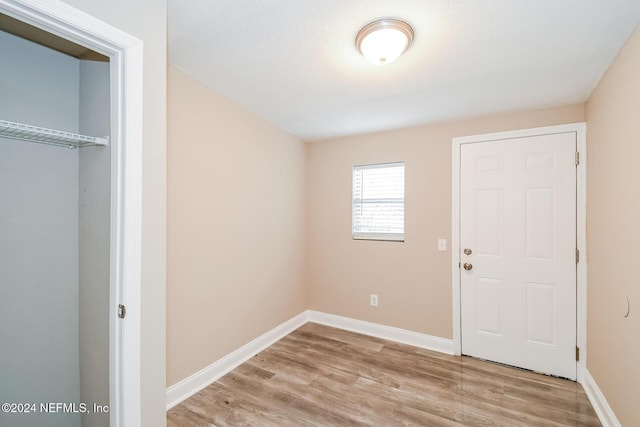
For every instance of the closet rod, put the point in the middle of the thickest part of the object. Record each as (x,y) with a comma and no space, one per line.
(47,136)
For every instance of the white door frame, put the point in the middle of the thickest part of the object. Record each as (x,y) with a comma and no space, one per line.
(581,210)
(125,53)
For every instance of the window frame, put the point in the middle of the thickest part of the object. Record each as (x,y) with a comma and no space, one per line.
(377,236)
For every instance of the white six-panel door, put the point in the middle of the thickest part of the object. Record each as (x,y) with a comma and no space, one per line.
(518,244)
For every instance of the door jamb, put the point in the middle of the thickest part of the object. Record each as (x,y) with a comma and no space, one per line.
(581,231)
(126,58)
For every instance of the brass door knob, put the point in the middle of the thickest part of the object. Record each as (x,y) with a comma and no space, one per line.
(467,266)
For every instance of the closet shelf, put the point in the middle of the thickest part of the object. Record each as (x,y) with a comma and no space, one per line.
(47,136)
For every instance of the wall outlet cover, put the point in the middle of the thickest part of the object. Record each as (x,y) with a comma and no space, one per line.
(373,300)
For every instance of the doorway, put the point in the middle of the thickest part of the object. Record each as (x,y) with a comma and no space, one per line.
(122,258)
(518,215)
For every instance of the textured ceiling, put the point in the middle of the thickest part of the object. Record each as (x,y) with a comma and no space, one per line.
(294,62)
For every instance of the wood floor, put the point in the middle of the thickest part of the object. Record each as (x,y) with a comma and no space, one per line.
(321,376)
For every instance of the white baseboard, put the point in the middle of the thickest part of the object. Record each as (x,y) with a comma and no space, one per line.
(598,401)
(201,379)
(196,382)
(390,333)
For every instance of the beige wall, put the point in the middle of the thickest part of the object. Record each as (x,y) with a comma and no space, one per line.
(147,20)
(412,279)
(236,233)
(613,228)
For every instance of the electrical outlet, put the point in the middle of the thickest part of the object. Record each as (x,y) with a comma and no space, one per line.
(373,300)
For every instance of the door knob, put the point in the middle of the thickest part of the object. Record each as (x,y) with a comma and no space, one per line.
(467,251)
(467,266)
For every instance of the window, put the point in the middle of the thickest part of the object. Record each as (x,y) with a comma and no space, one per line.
(378,202)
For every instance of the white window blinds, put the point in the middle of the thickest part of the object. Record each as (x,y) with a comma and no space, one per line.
(378,202)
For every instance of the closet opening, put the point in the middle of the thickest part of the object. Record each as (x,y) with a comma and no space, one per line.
(57,227)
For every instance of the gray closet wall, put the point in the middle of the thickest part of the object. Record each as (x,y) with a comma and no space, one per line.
(54,237)
(94,225)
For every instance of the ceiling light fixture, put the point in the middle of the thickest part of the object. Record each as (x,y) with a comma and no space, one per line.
(383,41)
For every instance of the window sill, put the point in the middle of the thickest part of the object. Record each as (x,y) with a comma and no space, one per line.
(384,237)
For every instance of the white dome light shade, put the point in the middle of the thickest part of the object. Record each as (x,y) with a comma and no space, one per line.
(383,41)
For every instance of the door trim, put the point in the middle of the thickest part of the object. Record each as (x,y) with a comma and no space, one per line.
(581,211)
(126,74)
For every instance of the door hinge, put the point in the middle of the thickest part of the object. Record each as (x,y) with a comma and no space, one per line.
(577,255)
(577,353)
(577,158)
(122,311)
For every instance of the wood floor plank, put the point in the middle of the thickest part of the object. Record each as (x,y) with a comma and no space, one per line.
(322,376)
